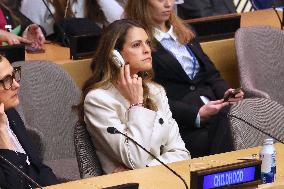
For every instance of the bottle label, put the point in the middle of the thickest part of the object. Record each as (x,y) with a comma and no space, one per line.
(268,167)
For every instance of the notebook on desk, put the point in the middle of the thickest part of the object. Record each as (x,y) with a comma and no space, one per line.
(215,27)
(13,53)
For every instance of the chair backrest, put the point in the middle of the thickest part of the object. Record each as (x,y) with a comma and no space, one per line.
(261,61)
(47,95)
(88,162)
(253,117)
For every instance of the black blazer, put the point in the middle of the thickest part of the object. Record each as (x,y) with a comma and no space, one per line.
(201,8)
(184,93)
(9,178)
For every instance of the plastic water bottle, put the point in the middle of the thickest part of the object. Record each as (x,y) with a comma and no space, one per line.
(268,157)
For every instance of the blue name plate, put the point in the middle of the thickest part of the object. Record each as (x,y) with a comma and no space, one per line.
(229,178)
(244,173)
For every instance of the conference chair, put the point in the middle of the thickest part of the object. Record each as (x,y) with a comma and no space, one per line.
(255,119)
(88,161)
(47,95)
(261,62)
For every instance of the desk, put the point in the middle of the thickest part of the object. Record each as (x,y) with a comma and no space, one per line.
(158,177)
(54,53)
(261,17)
(61,55)
(226,63)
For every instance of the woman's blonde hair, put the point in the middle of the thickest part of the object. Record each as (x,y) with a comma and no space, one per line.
(104,69)
(140,10)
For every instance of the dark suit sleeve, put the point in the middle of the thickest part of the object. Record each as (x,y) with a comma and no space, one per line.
(9,177)
(184,114)
(46,176)
(215,81)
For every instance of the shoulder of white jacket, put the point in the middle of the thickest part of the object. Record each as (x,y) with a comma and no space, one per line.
(100,93)
(155,88)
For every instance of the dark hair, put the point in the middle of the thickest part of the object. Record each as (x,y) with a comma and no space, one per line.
(104,70)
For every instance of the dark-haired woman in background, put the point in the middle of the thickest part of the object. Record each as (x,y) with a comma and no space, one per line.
(127,99)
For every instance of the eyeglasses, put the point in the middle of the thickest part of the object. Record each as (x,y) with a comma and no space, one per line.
(7,81)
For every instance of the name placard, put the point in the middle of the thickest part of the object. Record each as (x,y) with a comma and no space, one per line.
(238,174)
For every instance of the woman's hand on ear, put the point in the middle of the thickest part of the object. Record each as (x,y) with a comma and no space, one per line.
(3,117)
(130,86)
(5,142)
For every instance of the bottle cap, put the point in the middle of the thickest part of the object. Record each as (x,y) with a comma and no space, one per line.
(268,141)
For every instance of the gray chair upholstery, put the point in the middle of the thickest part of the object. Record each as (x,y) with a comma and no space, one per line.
(261,62)
(264,114)
(47,95)
(88,162)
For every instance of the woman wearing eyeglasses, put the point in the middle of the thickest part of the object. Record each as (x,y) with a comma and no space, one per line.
(14,143)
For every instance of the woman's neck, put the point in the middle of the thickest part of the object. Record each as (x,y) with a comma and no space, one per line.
(163,27)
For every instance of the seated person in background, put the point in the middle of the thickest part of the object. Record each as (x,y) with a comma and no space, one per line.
(202,8)
(10,16)
(102,12)
(193,85)
(14,142)
(126,98)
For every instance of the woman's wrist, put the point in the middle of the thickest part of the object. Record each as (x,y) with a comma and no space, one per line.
(141,104)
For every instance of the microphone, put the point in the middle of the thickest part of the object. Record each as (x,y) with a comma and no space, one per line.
(113,130)
(21,172)
(65,40)
(251,125)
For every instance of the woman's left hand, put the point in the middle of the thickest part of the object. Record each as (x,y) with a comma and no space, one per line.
(130,86)
(35,35)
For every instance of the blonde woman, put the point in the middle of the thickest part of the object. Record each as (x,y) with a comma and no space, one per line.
(127,99)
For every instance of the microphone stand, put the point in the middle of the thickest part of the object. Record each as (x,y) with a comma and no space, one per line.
(65,39)
(113,130)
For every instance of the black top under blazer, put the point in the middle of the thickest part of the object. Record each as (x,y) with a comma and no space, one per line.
(9,178)
(184,93)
